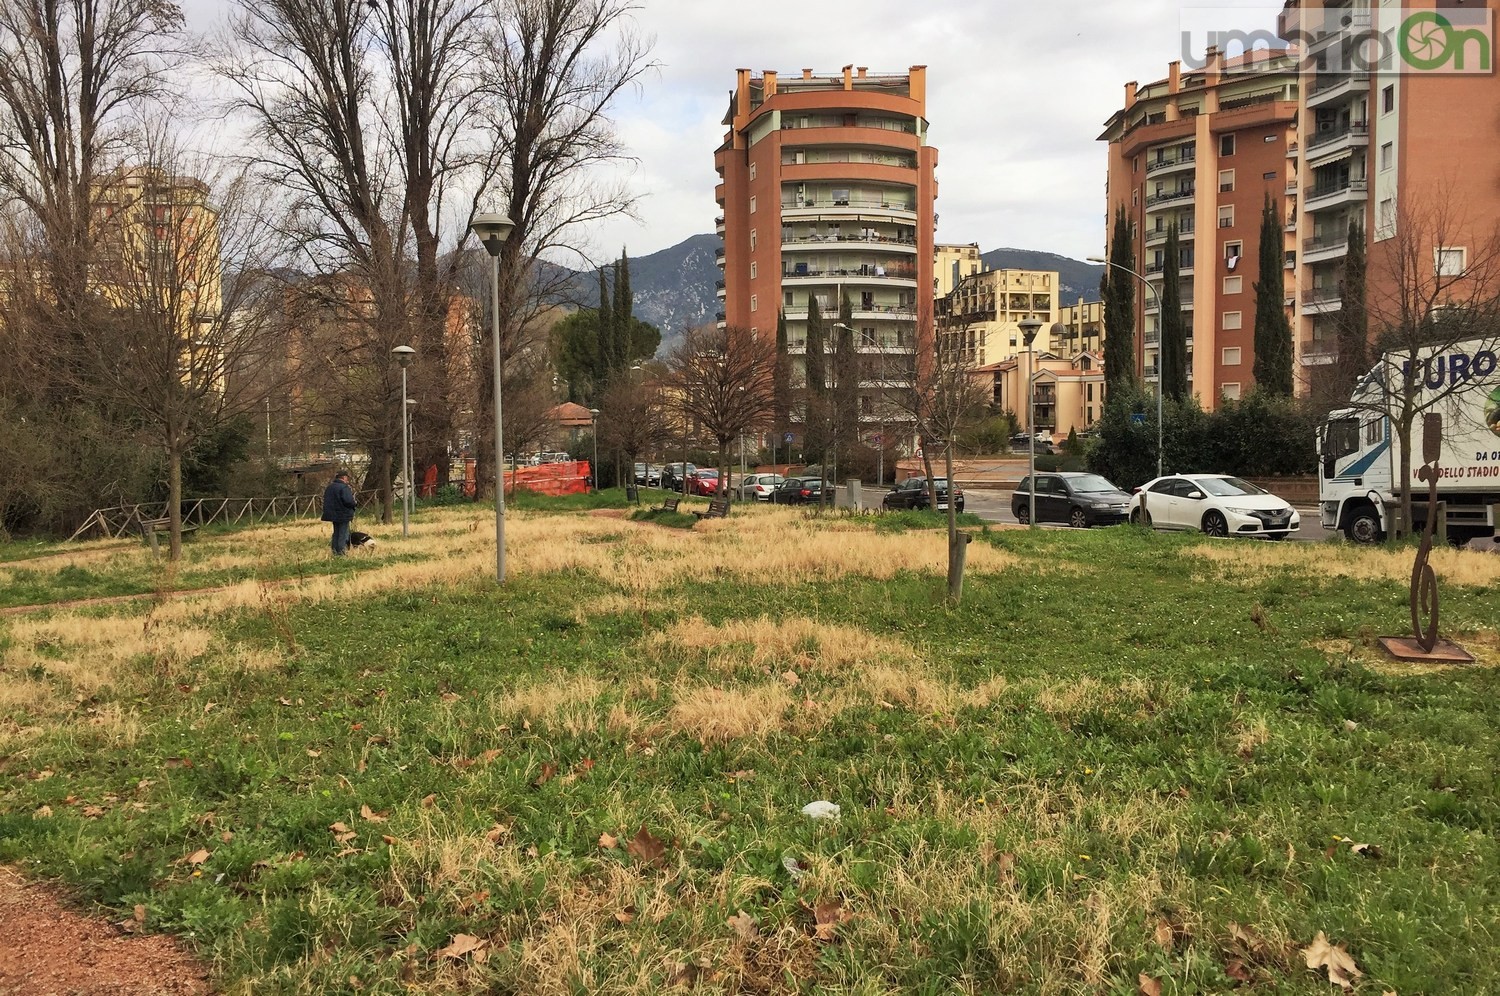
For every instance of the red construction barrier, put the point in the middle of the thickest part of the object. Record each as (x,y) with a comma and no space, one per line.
(550,478)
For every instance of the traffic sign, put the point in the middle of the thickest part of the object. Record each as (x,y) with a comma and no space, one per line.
(1138,418)
(787,438)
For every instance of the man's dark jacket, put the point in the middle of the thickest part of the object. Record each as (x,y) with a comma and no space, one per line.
(338,502)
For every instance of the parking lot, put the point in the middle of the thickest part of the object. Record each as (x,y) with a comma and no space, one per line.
(993,505)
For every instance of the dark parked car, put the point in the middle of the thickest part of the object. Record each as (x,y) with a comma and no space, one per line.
(798,491)
(912,493)
(673,473)
(1080,500)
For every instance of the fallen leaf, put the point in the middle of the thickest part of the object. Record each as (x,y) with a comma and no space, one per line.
(497,833)
(1368,850)
(549,771)
(1340,966)
(1163,935)
(348,851)
(1237,970)
(489,756)
(685,975)
(339,827)
(449,697)
(208,707)
(1247,938)
(369,814)
(392,841)
(285,702)
(93,812)
(744,926)
(627,915)
(1350,725)
(428,800)
(342,833)
(461,945)
(827,915)
(140,913)
(1147,985)
(741,776)
(646,848)
(227,836)
(526,726)
(608,842)
(586,765)
(314,753)
(198,857)
(790,677)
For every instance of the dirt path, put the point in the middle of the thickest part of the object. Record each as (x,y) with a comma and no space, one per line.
(49,950)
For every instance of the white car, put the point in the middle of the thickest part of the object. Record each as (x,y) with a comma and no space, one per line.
(1217,504)
(759,486)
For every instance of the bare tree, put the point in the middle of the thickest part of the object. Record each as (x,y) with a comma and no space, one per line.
(1433,284)
(724,379)
(633,418)
(943,400)
(184,265)
(555,69)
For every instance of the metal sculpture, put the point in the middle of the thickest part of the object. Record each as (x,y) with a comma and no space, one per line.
(1424,591)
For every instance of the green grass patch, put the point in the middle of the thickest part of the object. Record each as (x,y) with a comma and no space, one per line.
(662,517)
(531,501)
(908,518)
(1109,739)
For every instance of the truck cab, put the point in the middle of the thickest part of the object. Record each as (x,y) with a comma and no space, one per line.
(1354,474)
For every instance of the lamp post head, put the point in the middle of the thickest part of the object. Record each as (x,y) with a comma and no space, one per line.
(1097,259)
(492,231)
(403,355)
(1029,328)
(594,414)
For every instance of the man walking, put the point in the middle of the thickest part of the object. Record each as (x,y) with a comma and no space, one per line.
(338,508)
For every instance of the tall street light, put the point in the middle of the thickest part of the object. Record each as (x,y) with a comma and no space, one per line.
(1029,328)
(594,429)
(403,355)
(493,230)
(1159,317)
(411,470)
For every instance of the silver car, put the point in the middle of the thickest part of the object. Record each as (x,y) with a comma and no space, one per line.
(758,486)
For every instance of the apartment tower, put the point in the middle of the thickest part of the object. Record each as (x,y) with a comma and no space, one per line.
(1404,148)
(827,190)
(1204,149)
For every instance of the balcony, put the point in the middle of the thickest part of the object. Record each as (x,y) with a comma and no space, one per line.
(1330,87)
(1317,352)
(1354,129)
(1159,235)
(875,242)
(1334,194)
(1325,247)
(719,224)
(1291,151)
(1168,164)
(826,206)
(1169,197)
(904,275)
(1322,301)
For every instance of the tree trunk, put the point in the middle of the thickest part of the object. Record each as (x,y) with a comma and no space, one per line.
(174,495)
(931,487)
(1404,510)
(387,489)
(958,544)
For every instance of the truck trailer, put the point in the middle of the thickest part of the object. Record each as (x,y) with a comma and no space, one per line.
(1360,486)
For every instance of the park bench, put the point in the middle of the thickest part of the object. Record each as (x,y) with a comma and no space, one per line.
(152,528)
(717,509)
(669,504)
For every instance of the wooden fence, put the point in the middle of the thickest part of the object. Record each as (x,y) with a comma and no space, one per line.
(116,522)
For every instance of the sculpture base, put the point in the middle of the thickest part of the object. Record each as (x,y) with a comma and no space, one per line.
(1406,648)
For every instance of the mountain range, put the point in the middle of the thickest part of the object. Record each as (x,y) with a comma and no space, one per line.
(674,288)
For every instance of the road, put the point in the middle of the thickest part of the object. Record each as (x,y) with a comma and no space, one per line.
(994,506)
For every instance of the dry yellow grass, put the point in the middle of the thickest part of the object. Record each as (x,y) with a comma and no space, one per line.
(1462,567)
(720,715)
(570,705)
(798,643)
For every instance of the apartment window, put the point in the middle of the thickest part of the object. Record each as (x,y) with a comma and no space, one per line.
(1447,262)
(1268,176)
(786,299)
(1270,138)
(1231,392)
(1226,216)
(752,269)
(1135,165)
(754,303)
(754,332)
(1387,155)
(1231,356)
(1234,285)
(1226,178)
(1388,99)
(1135,198)
(1090,416)
(1388,215)
(1233,320)
(752,203)
(752,240)
(1226,145)
(752,171)
(1232,252)
(1091,392)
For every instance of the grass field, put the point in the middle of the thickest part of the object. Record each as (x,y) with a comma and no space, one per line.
(1126,760)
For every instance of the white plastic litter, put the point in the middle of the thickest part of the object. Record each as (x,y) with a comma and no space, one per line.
(821,810)
(790,864)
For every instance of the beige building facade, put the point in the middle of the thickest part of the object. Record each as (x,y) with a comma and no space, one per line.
(979,318)
(1068,392)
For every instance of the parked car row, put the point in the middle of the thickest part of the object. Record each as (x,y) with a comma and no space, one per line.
(913,493)
(1080,500)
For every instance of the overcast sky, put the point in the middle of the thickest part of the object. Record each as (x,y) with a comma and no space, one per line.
(1017,95)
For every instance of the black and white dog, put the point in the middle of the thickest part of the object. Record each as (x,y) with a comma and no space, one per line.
(363,541)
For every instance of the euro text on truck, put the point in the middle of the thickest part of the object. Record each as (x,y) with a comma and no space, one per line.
(1360,481)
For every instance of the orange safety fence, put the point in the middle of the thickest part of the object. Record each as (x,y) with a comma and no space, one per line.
(550,478)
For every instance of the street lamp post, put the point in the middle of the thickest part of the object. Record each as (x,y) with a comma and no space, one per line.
(594,429)
(403,355)
(1029,328)
(493,230)
(1159,317)
(410,471)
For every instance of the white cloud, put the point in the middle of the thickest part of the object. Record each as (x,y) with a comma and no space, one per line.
(1018,93)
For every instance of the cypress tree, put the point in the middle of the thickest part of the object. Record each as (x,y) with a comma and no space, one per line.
(604,335)
(1173,345)
(1118,288)
(782,379)
(1273,331)
(817,361)
(624,312)
(1353,319)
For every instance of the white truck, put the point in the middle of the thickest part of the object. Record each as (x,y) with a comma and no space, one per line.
(1359,487)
